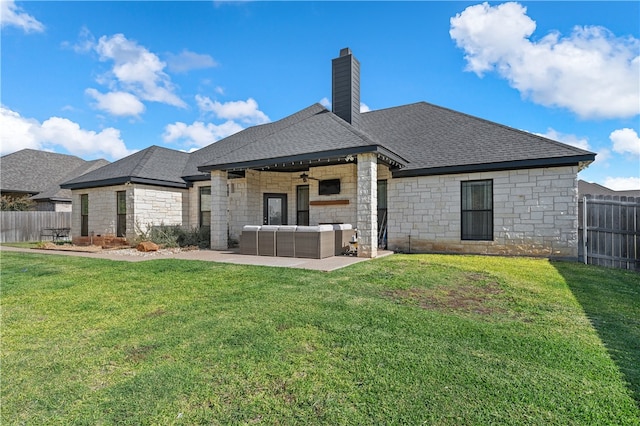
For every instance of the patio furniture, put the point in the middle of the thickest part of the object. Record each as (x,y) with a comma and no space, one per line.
(345,234)
(316,242)
(267,240)
(249,240)
(285,241)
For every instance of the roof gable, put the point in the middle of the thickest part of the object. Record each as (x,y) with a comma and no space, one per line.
(40,172)
(154,165)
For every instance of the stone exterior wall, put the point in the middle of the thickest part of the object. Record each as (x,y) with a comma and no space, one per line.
(535,213)
(146,206)
(156,205)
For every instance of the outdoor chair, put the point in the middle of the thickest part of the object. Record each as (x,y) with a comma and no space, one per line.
(249,240)
(316,242)
(267,240)
(285,241)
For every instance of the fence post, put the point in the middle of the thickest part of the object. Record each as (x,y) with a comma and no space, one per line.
(584,229)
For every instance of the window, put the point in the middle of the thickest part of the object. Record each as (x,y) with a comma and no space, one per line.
(477,210)
(382,214)
(84,215)
(121,207)
(302,205)
(205,206)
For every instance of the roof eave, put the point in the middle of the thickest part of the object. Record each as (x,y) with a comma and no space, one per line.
(308,159)
(499,166)
(122,181)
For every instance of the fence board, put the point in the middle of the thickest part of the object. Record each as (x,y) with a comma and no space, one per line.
(613,237)
(27,226)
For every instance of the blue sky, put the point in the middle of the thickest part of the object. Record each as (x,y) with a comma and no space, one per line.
(104,79)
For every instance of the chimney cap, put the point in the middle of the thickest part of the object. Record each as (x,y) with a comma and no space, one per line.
(344,52)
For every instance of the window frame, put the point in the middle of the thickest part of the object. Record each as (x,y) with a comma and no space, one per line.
(121,218)
(465,233)
(300,213)
(84,215)
(201,222)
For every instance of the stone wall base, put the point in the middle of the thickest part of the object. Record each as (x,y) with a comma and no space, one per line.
(521,248)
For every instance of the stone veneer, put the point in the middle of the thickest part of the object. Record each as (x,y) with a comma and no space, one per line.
(535,213)
(147,205)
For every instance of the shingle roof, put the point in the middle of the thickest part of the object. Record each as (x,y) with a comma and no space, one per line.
(313,130)
(439,140)
(40,172)
(154,165)
(426,139)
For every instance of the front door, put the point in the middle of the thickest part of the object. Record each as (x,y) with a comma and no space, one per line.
(275,209)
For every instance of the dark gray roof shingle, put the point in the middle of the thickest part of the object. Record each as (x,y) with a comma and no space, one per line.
(154,165)
(433,138)
(40,172)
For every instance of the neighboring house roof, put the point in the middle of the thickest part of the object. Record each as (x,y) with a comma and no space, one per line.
(590,188)
(30,171)
(154,166)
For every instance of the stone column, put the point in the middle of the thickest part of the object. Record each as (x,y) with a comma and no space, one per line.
(367,213)
(219,206)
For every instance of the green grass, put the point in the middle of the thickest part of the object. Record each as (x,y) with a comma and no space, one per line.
(407,339)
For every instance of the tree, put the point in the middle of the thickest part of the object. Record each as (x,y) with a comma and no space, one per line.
(19,204)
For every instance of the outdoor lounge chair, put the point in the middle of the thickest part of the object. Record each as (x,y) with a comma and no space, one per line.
(316,242)
(285,241)
(267,240)
(249,240)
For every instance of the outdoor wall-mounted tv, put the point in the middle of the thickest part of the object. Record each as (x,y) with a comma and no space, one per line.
(329,187)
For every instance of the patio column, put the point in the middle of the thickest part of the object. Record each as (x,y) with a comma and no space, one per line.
(367,212)
(219,207)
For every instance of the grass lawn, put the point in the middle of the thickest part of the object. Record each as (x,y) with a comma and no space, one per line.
(407,339)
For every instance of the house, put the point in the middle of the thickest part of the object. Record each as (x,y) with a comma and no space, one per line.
(38,174)
(417,178)
(591,188)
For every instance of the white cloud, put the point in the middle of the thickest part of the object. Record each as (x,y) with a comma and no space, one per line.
(136,70)
(19,133)
(117,103)
(199,134)
(569,139)
(244,111)
(12,15)
(625,141)
(188,60)
(622,183)
(364,107)
(325,102)
(591,72)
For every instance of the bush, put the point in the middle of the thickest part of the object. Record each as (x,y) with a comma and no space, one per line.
(175,236)
(16,204)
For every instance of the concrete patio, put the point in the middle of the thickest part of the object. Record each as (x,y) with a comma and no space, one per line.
(223,256)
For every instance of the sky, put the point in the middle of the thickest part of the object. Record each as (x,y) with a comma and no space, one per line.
(104,79)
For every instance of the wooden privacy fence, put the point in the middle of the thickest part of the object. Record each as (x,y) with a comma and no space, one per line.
(608,231)
(28,226)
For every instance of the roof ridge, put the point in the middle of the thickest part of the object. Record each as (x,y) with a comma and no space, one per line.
(148,153)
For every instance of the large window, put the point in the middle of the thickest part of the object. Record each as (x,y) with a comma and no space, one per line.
(121,207)
(205,206)
(302,205)
(84,215)
(477,210)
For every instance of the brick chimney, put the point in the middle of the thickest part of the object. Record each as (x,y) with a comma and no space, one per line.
(345,90)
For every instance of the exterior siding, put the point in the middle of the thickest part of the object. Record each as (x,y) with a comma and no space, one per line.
(146,206)
(535,213)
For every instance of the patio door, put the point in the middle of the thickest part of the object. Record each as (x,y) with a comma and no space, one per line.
(275,209)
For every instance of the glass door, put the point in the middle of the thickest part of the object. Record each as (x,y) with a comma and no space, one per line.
(275,209)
